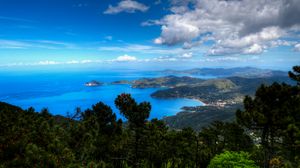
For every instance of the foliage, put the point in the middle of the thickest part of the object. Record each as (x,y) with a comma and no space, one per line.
(232,160)
(295,75)
(274,114)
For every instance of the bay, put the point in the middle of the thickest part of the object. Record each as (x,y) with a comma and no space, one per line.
(63,92)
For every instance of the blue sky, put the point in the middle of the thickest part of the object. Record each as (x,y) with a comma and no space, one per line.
(149,34)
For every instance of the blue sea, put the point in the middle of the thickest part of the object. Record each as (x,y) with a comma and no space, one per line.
(63,92)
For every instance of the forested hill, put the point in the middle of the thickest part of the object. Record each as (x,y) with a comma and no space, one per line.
(212,90)
(222,97)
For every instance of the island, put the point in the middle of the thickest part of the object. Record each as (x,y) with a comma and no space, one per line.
(93,83)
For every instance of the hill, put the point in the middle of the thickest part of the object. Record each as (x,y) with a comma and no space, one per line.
(225,72)
(168,81)
(222,97)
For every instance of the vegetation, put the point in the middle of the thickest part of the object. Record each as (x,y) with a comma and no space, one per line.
(201,116)
(168,81)
(232,159)
(222,97)
(230,90)
(266,134)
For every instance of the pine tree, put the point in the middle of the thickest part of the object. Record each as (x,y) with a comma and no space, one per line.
(137,115)
(295,75)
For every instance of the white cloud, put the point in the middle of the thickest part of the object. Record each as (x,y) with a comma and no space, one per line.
(89,61)
(164,59)
(235,26)
(12,44)
(158,40)
(128,6)
(151,22)
(125,58)
(52,44)
(51,62)
(277,43)
(146,49)
(229,59)
(45,44)
(47,62)
(254,49)
(297,47)
(187,55)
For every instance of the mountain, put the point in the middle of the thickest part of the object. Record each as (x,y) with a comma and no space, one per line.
(225,72)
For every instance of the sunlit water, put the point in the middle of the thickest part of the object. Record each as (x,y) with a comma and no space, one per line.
(61,93)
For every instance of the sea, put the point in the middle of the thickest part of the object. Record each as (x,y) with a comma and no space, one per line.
(62,92)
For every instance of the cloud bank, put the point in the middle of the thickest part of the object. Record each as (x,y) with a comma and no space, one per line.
(234,26)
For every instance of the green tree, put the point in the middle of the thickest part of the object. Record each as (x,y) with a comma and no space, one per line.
(220,136)
(137,115)
(295,75)
(232,160)
(100,129)
(269,113)
(156,153)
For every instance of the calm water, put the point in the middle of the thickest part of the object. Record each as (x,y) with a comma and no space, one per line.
(63,92)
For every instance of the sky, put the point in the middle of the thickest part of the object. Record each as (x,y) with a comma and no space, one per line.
(148,34)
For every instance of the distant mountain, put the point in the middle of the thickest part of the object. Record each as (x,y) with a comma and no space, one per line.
(225,72)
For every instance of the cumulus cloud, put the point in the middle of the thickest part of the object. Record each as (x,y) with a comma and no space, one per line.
(235,26)
(125,58)
(128,6)
(254,49)
(277,43)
